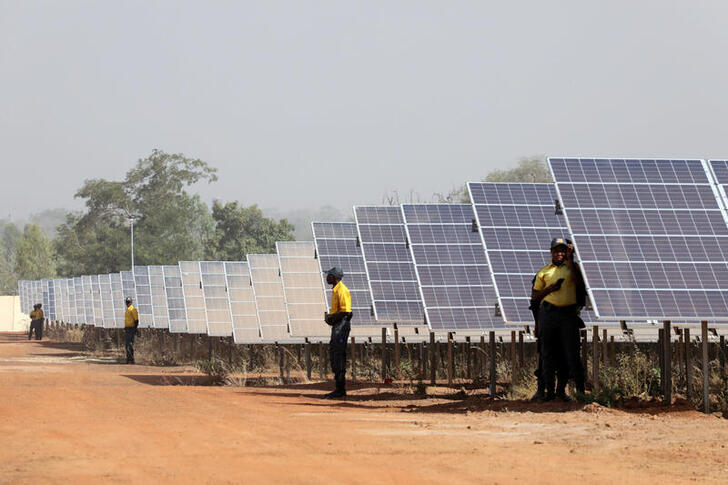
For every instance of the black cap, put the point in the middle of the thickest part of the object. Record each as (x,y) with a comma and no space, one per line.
(559,241)
(128,300)
(335,272)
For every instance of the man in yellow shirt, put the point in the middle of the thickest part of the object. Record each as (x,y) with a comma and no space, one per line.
(36,322)
(555,288)
(339,317)
(131,323)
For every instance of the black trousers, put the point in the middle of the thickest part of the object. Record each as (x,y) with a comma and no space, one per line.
(129,334)
(562,371)
(337,351)
(36,325)
(559,339)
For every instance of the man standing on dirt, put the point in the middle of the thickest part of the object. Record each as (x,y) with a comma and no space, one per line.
(339,318)
(36,322)
(555,287)
(131,323)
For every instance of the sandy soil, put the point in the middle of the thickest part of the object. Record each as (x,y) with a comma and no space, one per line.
(66,417)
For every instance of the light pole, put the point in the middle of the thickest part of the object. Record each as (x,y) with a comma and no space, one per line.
(131,224)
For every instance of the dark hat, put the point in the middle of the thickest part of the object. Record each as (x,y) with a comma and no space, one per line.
(335,272)
(559,241)
(128,300)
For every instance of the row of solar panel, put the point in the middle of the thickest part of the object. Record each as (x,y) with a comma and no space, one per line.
(450,265)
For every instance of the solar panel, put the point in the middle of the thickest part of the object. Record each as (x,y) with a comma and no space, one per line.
(118,304)
(57,291)
(49,300)
(269,298)
(37,292)
(246,328)
(88,303)
(303,288)
(143,301)
(389,266)
(651,234)
(337,245)
(80,308)
(194,299)
(159,297)
(98,309)
(176,311)
(217,304)
(70,301)
(451,267)
(107,301)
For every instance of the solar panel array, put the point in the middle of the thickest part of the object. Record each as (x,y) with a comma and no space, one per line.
(160,315)
(389,266)
(193,297)
(269,297)
(107,301)
(652,236)
(337,245)
(176,310)
(244,312)
(302,288)
(451,267)
(118,304)
(217,304)
(143,301)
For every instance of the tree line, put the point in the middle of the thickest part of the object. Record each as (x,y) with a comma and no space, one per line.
(170,223)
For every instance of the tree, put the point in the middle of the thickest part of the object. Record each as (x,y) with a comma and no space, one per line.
(529,170)
(34,256)
(240,231)
(10,236)
(170,225)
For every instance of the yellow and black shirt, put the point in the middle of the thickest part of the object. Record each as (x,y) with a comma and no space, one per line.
(550,274)
(340,299)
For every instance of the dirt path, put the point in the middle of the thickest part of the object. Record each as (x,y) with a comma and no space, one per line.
(67,418)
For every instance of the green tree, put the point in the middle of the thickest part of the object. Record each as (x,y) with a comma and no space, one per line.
(170,224)
(240,231)
(10,236)
(529,170)
(35,257)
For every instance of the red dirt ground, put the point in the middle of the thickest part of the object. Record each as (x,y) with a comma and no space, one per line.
(67,417)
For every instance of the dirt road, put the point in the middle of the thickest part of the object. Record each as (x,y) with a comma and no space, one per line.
(67,418)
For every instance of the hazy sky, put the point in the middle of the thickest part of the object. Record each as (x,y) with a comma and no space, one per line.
(306,103)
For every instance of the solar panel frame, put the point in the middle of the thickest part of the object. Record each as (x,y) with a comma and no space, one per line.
(337,245)
(70,301)
(641,207)
(98,305)
(302,288)
(128,286)
(390,271)
(193,297)
(107,301)
(118,304)
(176,310)
(217,302)
(143,302)
(445,251)
(88,303)
(270,299)
(243,308)
(78,294)
(160,315)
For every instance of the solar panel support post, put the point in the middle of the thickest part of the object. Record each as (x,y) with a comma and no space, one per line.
(210,349)
(661,357)
(322,362)
(422,359)
(680,352)
(307,357)
(584,349)
(721,355)
(230,351)
(595,359)
(514,360)
(481,357)
(688,366)
(521,350)
(384,353)
(450,364)
(281,362)
(491,352)
(396,352)
(433,360)
(605,353)
(667,352)
(353,359)
(706,369)
(468,354)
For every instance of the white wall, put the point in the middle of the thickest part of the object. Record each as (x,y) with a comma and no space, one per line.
(11,319)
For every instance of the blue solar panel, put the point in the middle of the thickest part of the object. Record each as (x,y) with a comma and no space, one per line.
(337,245)
(389,265)
(632,222)
(451,267)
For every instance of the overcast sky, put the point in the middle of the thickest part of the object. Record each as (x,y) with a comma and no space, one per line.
(306,103)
